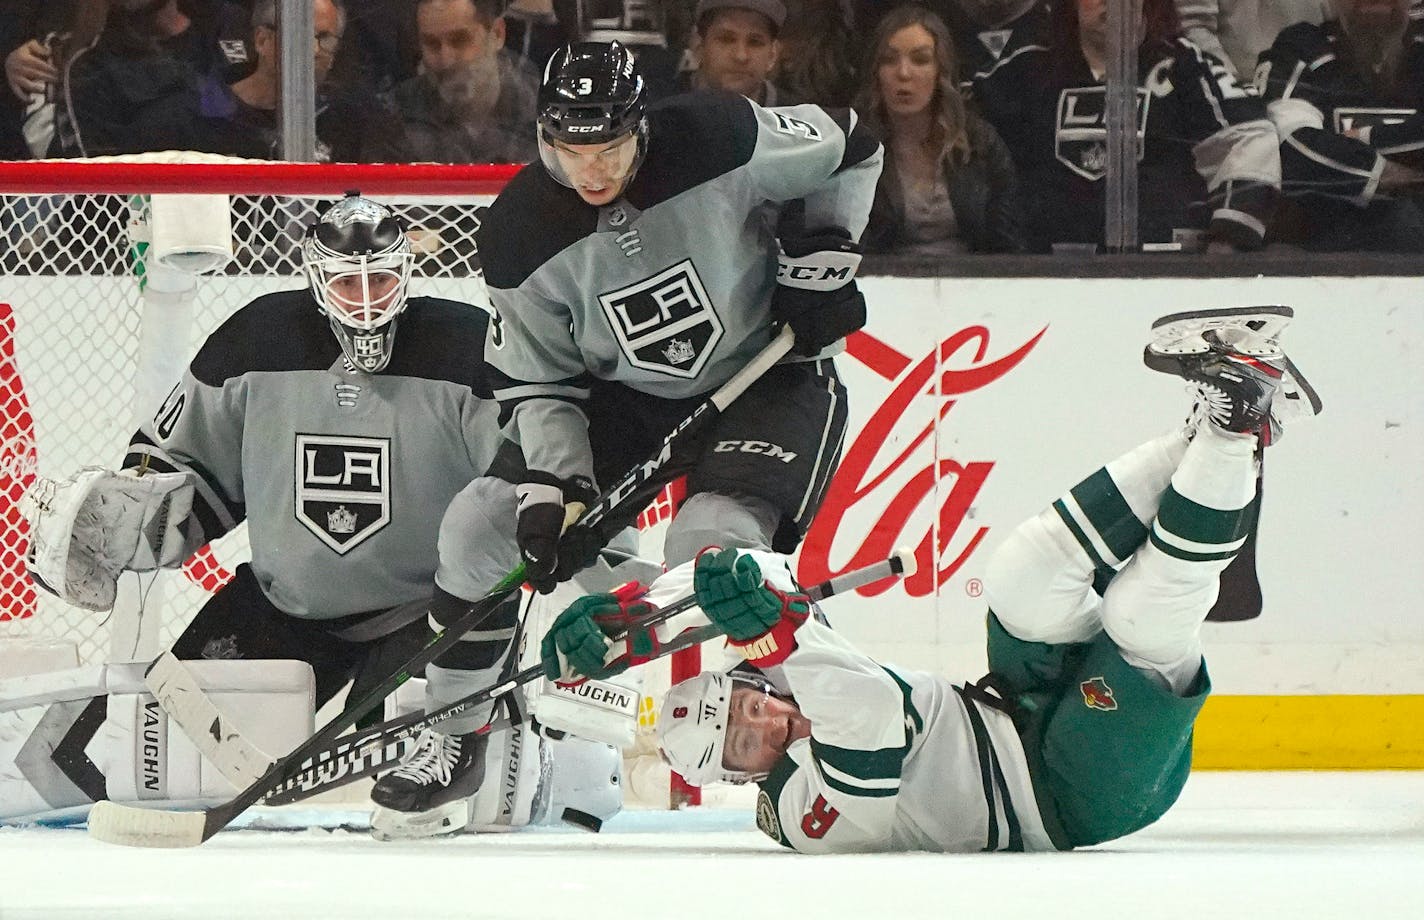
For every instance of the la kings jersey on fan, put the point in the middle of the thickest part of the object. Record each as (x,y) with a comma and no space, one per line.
(667,289)
(1207,154)
(1315,96)
(340,475)
(895,761)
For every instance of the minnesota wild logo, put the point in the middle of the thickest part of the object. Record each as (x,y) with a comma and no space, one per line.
(1097,694)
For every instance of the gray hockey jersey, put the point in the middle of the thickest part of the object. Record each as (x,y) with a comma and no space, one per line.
(895,761)
(342,476)
(667,290)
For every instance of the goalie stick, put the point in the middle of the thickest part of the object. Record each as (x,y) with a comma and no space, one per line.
(371,751)
(134,826)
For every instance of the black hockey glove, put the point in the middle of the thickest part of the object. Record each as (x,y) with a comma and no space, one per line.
(540,519)
(816,294)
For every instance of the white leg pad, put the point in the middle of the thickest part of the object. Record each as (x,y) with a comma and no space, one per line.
(57,752)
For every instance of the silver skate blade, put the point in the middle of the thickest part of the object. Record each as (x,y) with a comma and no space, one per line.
(387,824)
(1295,398)
(1252,331)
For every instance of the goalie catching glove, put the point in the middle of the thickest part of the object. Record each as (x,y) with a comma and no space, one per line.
(87,530)
(760,620)
(581,642)
(816,294)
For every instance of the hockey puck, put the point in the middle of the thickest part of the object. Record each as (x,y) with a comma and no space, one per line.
(582,819)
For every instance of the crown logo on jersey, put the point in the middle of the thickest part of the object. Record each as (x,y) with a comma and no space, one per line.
(679,351)
(1095,158)
(342,520)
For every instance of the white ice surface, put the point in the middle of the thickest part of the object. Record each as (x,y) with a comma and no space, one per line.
(1249,846)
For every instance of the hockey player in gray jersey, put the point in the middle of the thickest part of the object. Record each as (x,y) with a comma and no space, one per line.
(633,270)
(339,422)
(1082,733)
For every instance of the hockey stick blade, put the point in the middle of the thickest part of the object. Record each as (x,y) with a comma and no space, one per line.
(335,766)
(120,823)
(142,827)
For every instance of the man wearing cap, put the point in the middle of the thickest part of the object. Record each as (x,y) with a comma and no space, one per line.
(737,48)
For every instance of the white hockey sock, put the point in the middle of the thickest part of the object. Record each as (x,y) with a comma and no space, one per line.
(1040,580)
(1154,608)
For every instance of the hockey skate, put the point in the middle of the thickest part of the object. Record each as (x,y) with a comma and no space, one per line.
(430,793)
(1233,357)
(1252,332)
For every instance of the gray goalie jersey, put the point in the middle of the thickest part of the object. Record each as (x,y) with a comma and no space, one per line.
(342,476)
(666,290)
(895,761)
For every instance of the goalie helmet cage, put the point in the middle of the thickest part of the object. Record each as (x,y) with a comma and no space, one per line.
(98,319)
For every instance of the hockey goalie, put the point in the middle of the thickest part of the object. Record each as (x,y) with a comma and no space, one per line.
(338,421)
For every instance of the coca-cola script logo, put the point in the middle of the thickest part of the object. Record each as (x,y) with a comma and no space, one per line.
(956,370)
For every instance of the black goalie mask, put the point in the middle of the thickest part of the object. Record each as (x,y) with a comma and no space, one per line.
(358,261)
(592,94)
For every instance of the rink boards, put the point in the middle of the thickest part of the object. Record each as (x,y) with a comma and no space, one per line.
(975,402)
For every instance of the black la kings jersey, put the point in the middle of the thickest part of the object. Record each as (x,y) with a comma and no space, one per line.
(1207,153)
(1315,95)
(666,290)
(342,476)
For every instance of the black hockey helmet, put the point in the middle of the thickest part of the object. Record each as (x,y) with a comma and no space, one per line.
(358,261)
(592,93)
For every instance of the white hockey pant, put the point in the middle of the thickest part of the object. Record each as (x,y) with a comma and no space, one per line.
(1168,517)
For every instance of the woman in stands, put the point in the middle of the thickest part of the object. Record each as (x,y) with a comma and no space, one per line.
(948,184)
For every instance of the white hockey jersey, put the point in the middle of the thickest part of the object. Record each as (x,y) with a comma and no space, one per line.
(895,761)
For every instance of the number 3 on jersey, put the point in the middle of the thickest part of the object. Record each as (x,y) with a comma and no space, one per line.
(819,819)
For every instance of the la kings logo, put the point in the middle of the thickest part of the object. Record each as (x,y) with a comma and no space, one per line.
(1080,136)
(665,323)
(343,491)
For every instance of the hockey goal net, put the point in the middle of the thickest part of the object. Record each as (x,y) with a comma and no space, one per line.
(100,313)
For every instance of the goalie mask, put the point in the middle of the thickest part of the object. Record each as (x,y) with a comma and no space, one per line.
(593,99)
(358,261)
(693,721)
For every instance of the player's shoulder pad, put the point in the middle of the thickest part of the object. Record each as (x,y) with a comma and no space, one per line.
(281,331)
(533,219)
(693,138)
(439,339)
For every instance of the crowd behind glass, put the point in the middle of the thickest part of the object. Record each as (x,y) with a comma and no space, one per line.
(1288,124)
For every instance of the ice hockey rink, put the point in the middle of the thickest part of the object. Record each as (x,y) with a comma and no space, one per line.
(1237,845)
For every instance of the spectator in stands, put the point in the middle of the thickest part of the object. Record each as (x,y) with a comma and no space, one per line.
(1237,31)
(818,55)
(241,119)
(133,89)
(948,184)
(980,28)
(736,48)
(472,102)
(1207,158)
(33,38)
(1348,99)
(378,48)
